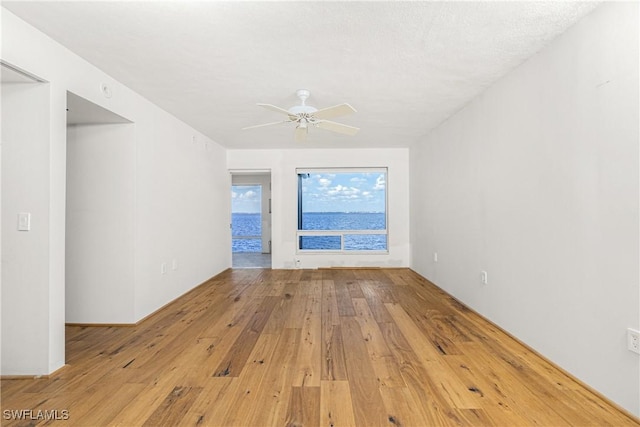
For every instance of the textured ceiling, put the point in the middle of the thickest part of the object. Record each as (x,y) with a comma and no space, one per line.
(405,66)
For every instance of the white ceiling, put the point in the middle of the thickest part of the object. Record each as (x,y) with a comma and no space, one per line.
(405,66)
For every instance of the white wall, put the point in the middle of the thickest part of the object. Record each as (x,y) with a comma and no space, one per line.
(536,182)
(100,215)
(181,201)
(25,169)
(182,210)
(284,203)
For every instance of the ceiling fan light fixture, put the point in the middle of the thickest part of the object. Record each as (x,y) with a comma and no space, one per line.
(304,115)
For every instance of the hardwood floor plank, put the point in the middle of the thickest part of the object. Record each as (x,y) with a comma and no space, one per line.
(440,337)
(215,342)
(397,277)
(368,406)
(328,347)
(102,414)
(401,408)
(434,408)
(529,405)
(497,405)
(281,312)
(383,362)
(333,363)
(330,313)
(237,355)
(450,387)
(447,325)
(92,407)
(474,417)
(354,289)
(348,280)
(140,409)
(336,408)
(163,347)
(309,360)
(212,404)
(376,296)
(174,407)
(331,349)
(343,298)
(419,342)
(304,407)
(275,388)
(249,381)
(297,311)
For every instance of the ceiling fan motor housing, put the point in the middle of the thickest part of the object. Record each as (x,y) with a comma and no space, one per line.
(303,94)
(302,109)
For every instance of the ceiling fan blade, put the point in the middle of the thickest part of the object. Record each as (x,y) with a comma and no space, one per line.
(301,133)
(266,124)
(335,111)
(337,127)
(274,108)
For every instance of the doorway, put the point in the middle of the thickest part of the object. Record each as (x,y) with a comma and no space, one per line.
(251,219)
(100,205)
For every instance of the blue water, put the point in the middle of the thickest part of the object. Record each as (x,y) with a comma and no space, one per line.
(246,224)
(343,221)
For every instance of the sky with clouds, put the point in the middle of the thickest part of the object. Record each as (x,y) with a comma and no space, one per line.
(324,192)
(246,198)
(344,192)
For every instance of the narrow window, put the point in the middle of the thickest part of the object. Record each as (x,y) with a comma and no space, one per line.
(246,218)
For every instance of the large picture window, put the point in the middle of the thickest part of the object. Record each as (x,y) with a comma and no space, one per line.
(342,210)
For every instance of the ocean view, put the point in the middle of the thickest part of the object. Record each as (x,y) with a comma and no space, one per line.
(248,224)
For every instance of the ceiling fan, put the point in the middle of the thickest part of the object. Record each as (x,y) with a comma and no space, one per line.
(305,116)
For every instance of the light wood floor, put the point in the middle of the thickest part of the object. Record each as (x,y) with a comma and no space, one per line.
(308,347)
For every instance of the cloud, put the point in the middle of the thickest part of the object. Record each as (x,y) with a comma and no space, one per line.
(341,190)
(344,192)
(324,182)
(245,199)
(250,194)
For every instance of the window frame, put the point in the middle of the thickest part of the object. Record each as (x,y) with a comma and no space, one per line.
(342,233)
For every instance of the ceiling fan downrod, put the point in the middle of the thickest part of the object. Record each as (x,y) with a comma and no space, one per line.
(303,94)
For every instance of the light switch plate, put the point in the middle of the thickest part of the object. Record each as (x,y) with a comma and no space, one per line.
(24,221)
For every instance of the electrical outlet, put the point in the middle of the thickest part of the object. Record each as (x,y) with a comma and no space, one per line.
(163,268)
(435,257)
(633,340)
